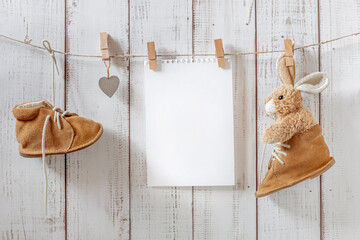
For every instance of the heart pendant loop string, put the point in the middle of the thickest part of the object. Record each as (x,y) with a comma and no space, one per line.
(108,68)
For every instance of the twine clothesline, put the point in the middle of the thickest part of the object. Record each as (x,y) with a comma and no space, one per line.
(126,56)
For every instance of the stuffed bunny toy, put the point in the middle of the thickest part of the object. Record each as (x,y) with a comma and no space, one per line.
(284,104)
(300,152)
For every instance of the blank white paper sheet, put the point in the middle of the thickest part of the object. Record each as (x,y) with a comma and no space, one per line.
(189,124)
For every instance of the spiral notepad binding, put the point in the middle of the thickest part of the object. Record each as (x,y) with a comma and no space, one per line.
(187,60)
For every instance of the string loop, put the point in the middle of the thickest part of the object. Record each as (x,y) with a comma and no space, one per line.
(48,48)
(108,68)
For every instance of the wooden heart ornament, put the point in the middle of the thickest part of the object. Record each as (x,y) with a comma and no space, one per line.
(109,85)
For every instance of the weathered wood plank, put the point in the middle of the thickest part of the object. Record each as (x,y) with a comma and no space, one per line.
(230,212)
(156,213)
(293,213)
(97,177)
(26,76)
(340,120)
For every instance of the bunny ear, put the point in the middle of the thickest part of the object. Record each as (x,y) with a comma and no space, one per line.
(313,83)
(286,74)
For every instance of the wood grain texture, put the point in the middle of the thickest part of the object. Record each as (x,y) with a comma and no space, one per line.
(162,212)
(293,213)
(340,120)
(26,76)
(98,177)
(103,193)
(230,212)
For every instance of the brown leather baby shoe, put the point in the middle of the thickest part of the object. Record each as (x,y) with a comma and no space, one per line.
(41,126)
(303,157)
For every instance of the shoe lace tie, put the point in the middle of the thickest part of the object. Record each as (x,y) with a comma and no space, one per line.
(276,150)
(57,115)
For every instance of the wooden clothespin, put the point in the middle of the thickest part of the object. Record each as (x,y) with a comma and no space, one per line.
(152,55)
(289,52)
(220,52)
(104,46)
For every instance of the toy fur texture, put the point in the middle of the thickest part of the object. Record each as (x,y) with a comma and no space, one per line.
(284,104)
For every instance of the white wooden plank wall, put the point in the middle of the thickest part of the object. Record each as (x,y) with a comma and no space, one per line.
(97,180)
(25,75)
(228,212)
(101,193)
(340,117)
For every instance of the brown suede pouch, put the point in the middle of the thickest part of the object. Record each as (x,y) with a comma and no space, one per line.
(307,157)
(74,133)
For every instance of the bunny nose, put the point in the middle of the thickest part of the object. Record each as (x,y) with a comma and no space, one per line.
(270,108)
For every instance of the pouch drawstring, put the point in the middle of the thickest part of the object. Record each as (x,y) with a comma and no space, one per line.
(43,155)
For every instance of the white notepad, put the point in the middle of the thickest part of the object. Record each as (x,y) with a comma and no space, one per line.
(189,123)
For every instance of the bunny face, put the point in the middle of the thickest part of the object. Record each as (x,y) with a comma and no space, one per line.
(284,104)
(282,101)
(287,98)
